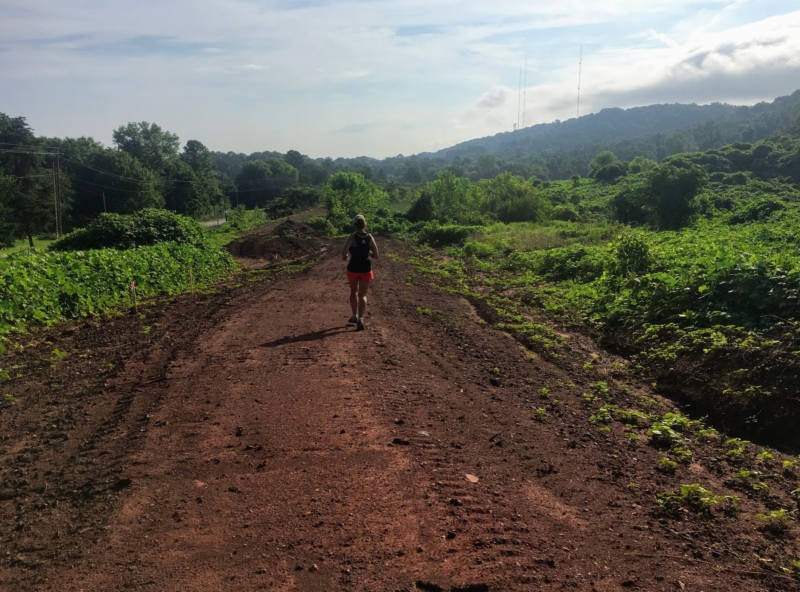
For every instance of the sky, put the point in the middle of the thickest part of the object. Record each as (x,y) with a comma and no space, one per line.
(378,77)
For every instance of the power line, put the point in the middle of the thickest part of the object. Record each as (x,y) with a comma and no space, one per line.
(88,166)
(106,186)
(28,176)
(28,145)
(15,151)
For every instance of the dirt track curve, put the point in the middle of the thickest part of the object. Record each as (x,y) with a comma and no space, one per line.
(266,445)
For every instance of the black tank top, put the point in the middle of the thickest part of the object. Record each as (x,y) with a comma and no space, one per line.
(359,254)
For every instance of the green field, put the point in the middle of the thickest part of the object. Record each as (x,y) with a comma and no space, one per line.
(23,244)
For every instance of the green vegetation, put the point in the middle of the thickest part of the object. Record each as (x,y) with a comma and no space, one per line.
(144,228)
(45,288)
(776,522)
(697,499)
(689,267)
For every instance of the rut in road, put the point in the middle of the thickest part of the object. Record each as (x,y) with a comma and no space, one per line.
(290,452)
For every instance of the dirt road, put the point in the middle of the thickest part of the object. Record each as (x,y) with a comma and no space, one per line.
(251,440)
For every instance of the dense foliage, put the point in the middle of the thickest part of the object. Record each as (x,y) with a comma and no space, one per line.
(690,268)
(44,288)
(144,228)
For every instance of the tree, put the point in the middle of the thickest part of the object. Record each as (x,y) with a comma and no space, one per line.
(559,166)
(148,143)
(26,198)
(708,135)
(422,209)
(452,198)
(676,143)
(486,167)
(601,161)
(641,165)
(348,194)
(127,184)
(253,183)
(283,175)
(513,199)
(8,230)
(412,172)
(313,173)
(197,156)
(190,192)
(27,211)
(294,158)
(794,120)
(263,180)
(672,191)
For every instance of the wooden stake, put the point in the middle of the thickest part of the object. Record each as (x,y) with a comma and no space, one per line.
(133,289)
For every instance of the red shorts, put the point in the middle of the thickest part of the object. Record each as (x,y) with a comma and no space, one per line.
(354,277)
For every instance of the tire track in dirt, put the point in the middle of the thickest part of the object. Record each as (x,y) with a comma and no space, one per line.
(289,452)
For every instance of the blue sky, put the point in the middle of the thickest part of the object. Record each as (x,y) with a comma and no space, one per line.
(377,77)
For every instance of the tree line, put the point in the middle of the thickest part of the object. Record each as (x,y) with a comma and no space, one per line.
(53,185)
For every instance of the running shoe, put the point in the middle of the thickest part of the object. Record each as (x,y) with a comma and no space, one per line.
(360,324)
(353,320)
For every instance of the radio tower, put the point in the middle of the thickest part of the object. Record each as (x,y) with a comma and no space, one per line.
(519,97)
(580,72)
(525,93)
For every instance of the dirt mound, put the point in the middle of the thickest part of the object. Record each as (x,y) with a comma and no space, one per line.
(288,240)
(260,246)
(290,227)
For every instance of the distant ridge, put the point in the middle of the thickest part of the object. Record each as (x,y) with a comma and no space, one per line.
(609,126)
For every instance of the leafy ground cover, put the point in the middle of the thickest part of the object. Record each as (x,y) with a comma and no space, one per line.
(707,309)
(696,474)
(45,288)
(146,227)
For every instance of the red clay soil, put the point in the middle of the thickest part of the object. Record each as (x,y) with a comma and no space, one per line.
(251,440)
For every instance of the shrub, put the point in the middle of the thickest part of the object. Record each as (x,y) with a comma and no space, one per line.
(567,263)
(611,173)
(631,255)
(322,225)
(240,218)
(436,235)
(760,209)
(145,228)
(565,213)
(672,191)
(422,209)
(479,250)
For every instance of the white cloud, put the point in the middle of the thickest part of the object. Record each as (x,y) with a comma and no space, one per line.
(266,74)
(742,65)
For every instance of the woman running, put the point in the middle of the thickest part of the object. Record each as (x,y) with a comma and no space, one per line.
(359,247)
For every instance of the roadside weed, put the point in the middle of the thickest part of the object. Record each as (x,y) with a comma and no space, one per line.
(666,466)
(776,522)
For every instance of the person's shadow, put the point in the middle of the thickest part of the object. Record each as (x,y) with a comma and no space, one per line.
(313,336)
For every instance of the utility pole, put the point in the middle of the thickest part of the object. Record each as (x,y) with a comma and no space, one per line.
(222,188)
(55,200)
(105,210)
(59,221)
